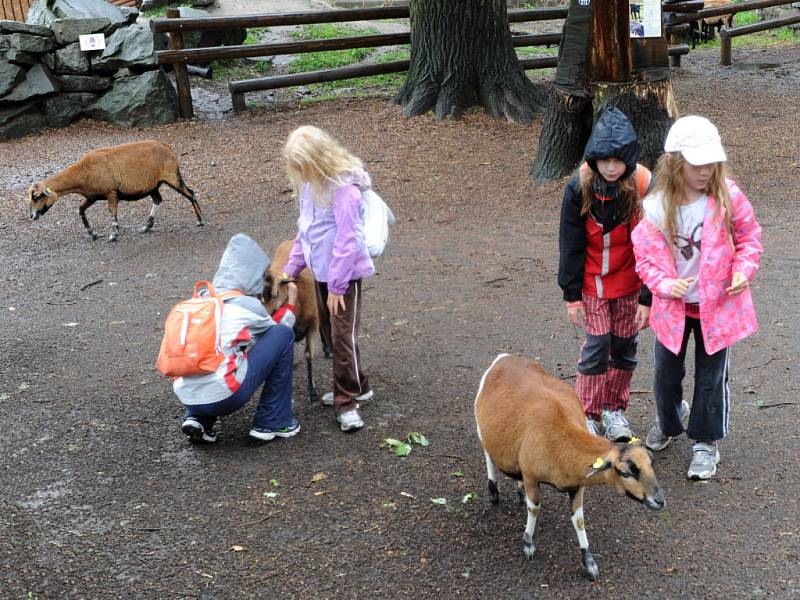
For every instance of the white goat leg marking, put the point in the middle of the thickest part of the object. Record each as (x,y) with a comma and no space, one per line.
(154,211)
(480,389)
(579,525)
(490,470)
(528,546)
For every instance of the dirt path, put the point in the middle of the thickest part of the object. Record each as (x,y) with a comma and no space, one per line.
(101,497)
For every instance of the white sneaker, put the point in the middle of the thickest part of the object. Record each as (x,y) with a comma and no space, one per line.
(593,426)
(705,458)
(327,397)
(616,425)
(350,420)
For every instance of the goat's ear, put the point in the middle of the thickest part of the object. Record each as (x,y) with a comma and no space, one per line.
(599,465)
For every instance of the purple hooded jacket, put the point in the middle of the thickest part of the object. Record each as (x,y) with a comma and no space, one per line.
(330,240)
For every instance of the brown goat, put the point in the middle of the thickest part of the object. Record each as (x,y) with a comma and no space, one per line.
(306,315)
(532,428)
(127,172)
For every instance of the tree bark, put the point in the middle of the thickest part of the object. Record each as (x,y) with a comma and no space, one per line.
(462,56)
(600,65)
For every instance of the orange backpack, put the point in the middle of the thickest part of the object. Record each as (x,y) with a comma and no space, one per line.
(191,342)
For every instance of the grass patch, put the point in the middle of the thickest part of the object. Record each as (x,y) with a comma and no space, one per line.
(530,51)
(747,17)
(329,59)
(161,11)
(254,35)
(761,39)
(238,68)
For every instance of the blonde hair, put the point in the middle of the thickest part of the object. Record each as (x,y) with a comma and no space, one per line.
(628,197)
(312,156)
(669,181)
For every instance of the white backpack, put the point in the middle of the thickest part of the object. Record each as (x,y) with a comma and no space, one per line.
(377,218)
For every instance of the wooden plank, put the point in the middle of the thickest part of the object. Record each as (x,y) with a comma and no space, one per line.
(8,11)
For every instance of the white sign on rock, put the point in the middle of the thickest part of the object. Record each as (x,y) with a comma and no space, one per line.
(92,41)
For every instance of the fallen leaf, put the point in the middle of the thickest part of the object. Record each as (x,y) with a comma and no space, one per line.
(457,474)
(70,324)
(407,495)
(273,482)
(23,386)
(439,500)
(318,477)
(469,497)
(237,548)
(271,494)
(417,438)
(3,397)
(400,322)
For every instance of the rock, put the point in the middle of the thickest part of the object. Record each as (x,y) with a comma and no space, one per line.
(26,42)
(63,109)
(127,47)
(123,73)
(19,58)
(20,120)
(130,13)
(82,9)
(39,14)
(202,2)
(207,39)
(38,82)
(17,27)
(67,31)
(49,60)
(72,60)
(146,99)
(83,83)
(10,76)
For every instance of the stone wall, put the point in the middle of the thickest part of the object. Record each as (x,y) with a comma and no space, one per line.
(46,80)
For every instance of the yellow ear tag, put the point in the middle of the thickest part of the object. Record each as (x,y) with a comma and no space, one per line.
(598,463)
(48,190)
(633,440)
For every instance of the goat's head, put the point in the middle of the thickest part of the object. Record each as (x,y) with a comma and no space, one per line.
(274,294)
(40,199)
(630,472)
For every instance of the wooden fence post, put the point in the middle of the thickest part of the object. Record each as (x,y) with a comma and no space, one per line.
(185,109)
(725,48)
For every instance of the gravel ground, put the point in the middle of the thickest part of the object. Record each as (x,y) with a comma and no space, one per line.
(101,497)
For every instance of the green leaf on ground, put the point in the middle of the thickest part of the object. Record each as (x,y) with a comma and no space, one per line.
(469,497)
(439,500)
(396,446)
(457,474)
(415,437)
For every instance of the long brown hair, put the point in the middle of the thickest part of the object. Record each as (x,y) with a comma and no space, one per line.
(669,181)
(628,193)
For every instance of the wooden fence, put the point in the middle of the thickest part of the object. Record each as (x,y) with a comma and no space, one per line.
(731,9)
(14,10)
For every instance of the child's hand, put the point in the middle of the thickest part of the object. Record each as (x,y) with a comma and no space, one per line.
(642,317)
(738,283)
(291,294)
(680,287)
(576,313)
(335,301)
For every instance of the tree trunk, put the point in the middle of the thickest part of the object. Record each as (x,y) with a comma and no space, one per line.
(600,65)
(462,56)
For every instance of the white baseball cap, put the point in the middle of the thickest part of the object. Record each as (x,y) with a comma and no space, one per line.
(696,139)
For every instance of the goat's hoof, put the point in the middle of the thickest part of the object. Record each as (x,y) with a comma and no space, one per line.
(494,497)
(145,229)
(589,566)
(200,223)
(91,236)
(527,546)
(112,238)
(313,396)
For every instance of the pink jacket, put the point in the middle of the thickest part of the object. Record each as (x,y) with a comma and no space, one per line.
(724,319)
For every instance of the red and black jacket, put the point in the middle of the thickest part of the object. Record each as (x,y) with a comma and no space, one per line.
(595,250)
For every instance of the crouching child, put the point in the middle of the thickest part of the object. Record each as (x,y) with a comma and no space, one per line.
(258,350)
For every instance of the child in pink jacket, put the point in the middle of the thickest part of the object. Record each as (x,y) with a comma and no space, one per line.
(697,249)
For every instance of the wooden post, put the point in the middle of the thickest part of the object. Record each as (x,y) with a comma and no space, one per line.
(185,109)
(725,48)
(237,99)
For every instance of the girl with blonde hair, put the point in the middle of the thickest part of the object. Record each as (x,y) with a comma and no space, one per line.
(697,249)
(328,182)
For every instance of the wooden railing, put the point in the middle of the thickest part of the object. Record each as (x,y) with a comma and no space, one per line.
(726,34)
(179,56)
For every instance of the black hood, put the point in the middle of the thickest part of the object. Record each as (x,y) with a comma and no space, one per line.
(613,137)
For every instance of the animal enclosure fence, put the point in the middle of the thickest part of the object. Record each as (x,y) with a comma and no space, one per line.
(14,10)
(179,56)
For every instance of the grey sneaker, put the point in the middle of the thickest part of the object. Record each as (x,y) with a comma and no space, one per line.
(593,426)
(704,461)
(327,397)
(616,425)
(350,420)
(655,439)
